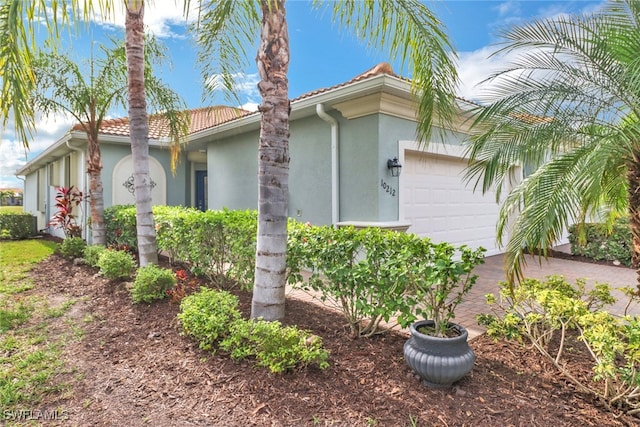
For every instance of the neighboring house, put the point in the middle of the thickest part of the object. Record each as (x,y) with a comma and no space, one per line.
(342,139)
(10,197)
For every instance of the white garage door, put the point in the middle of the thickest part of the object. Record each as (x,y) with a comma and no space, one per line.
(438,204)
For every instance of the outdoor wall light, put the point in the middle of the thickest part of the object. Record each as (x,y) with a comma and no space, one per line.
(394,166)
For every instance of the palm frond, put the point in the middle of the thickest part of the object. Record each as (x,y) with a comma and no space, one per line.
(412,33)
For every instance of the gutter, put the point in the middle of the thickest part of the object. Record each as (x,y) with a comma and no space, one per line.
(83,174)
(335,168)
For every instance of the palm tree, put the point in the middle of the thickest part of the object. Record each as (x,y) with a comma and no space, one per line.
(61,86)
(406,27)
(139,132)
(566,108)
(17,47)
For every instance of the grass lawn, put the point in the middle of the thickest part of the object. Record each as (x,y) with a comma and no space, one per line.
(16,209)
(28,356)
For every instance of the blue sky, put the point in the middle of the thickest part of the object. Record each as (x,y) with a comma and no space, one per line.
(321,55)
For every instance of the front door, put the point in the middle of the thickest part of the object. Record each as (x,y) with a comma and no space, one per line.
(201,190)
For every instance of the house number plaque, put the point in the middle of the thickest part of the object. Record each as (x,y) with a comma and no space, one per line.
(386,187)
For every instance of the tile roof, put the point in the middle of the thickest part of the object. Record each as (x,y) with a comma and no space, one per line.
(381,68)
(201,118)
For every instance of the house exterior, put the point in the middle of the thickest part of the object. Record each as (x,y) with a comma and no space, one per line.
(342,139)
(10,197)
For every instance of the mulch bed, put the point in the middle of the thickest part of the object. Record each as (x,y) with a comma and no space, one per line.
(132,367)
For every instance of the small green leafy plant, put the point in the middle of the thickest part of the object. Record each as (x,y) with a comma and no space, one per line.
(151,283)
(212,317)
(279,348)
(208,315)
(72,247)
(91,254)
(116,265)
(545,312)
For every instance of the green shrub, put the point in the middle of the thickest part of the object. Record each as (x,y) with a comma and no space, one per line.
(372,275)
(15,225)
(218,245)
(91,254)
(208,316)
(72,247)
(599,242)
(120,222)
(151,283)
(279,348)
(116,265)
(539,311)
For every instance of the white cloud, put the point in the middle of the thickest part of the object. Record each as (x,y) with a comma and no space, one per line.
(250,106)
(245,88)
(160,16)
(507,7)
(12,152)
(473,68)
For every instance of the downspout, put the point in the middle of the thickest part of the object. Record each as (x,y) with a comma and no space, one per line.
(83,174)
(335,167)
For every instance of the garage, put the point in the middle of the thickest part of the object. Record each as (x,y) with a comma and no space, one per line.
(437,203)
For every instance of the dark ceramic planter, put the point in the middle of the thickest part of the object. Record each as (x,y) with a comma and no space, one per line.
(438,361)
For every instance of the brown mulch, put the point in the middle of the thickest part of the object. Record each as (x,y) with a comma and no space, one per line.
(132,367)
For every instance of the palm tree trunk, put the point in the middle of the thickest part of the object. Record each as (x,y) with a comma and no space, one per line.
(139,131)
(633,178)
(96,196)
(273,164)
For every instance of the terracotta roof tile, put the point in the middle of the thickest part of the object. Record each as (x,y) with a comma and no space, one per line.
(381,68)
(201,118)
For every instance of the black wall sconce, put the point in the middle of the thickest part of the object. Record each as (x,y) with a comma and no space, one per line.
(394,166)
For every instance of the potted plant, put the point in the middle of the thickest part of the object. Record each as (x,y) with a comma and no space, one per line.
(438,350)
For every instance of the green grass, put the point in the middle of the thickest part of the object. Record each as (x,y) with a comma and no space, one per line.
(13,209)
(29,356)
(17,258)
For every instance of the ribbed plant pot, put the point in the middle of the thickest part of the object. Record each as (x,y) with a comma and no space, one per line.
(438,361)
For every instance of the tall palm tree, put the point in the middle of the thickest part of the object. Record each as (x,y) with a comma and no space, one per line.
(139,132)
(61,86)
(406,27)
(566,108)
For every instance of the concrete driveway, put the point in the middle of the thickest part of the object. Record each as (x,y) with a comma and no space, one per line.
(491,272)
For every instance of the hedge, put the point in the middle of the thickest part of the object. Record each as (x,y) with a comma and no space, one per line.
(15,225)
(599,242)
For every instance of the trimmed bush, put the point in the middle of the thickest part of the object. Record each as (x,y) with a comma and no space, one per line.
(15,225)
(151,283)
(279,348)
(218,245)
(116,265)
(208,316)
(372,275)
(599,242)
(92,254)
(72,247)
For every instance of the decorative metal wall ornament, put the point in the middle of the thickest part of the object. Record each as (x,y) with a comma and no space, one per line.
(130,186)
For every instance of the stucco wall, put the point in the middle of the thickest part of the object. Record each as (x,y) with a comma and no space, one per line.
(232,172)
(176,185)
